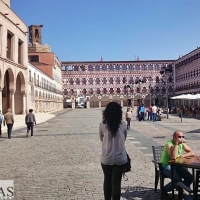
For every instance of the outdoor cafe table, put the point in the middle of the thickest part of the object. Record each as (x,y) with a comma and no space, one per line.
(189,162)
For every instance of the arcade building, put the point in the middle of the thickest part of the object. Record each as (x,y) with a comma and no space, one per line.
(129,83)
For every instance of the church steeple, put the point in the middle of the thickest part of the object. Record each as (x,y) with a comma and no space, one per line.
(35,34)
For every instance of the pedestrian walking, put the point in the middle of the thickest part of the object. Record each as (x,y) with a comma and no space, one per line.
(142,110)
(30,121)
(150,113)
(154,113)
(128,117)
(9,121)
(1,120)
(112,133)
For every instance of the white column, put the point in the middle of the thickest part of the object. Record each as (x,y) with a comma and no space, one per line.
(12,102)
(40,106)
(73,102)
(24,104)
(99,103)
(132,103)
(122,104)
(88,104)
(37,106)
(14,47)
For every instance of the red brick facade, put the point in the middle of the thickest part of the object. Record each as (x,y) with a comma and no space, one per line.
(104,81)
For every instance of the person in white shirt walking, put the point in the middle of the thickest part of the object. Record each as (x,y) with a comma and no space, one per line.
(154,113)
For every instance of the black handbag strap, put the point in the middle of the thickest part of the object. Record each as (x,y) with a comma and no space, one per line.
(125,177)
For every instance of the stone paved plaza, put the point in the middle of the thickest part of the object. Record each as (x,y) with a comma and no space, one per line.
(61,161)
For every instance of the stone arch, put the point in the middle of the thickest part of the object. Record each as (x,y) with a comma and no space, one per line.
(18,93)
(22,80)
(105,100)
(11,78)
(94,102)
(7,86)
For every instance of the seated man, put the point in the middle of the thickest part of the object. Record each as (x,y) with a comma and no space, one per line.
(172,150)
(158,114)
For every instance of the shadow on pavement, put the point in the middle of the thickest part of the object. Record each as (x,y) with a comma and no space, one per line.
(194,131)
(160,137)
(138,191)
(16,136)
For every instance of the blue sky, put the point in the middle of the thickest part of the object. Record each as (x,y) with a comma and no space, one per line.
(117,30)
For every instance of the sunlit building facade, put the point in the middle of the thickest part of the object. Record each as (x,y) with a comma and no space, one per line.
(187,74)
(44,74)
(13,61)
(126,82)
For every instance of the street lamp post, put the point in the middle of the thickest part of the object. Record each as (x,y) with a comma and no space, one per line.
(139,81)
(166,71)
(166,80)
(126,88)
(150,94)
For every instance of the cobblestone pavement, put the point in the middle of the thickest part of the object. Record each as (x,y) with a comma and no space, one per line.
(62,162)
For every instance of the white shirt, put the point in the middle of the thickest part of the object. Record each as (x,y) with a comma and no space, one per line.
(154,109)
(113,148)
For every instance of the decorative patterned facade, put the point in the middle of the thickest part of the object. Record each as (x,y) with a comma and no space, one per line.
(187,73)
(104,81)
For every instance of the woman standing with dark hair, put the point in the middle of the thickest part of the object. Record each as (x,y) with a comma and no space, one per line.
(112,133)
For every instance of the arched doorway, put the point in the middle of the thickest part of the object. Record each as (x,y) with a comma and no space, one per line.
(94,102)
(116,99)
(104,101)
(8,85)
(19,92)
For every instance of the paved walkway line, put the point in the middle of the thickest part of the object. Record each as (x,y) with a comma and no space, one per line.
(142,142)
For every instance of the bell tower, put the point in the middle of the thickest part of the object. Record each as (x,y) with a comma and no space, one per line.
(35,34)
(35,40)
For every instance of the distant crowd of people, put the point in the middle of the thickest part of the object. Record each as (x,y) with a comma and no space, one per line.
(185,110)
(153,113)
(8,119)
